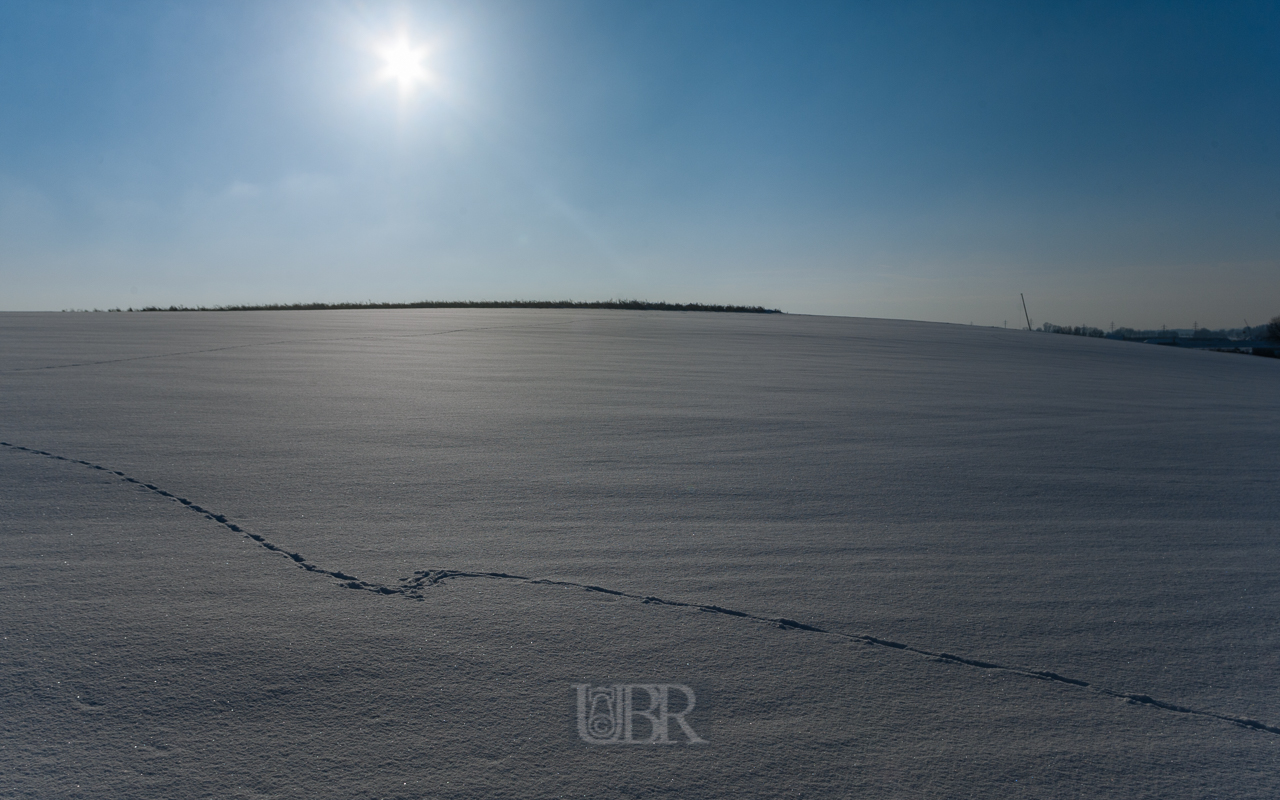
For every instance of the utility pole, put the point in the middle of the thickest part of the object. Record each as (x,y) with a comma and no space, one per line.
(1024,309)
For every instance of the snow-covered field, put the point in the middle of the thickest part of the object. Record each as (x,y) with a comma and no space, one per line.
(361,555)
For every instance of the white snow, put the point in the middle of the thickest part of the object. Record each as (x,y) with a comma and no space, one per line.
(1099,510)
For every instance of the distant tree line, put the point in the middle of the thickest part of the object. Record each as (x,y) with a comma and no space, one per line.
(1252,339)
(627,305)
(1269,331)
(1078,330)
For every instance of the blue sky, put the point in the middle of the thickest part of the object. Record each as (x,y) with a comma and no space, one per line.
(1115,162)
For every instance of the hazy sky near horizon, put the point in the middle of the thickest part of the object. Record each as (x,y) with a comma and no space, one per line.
(1115,162)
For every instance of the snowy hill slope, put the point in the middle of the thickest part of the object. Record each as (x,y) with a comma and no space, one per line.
(1005,563)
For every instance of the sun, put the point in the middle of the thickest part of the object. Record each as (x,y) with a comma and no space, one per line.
(404,64)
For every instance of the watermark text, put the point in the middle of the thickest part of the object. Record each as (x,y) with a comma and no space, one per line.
(635,713)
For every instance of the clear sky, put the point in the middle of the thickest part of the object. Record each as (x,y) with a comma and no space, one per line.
(1114,161)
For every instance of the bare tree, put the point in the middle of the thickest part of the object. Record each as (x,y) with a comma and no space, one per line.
(1273,329)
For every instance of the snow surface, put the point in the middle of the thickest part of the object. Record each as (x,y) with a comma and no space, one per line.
(1041,566)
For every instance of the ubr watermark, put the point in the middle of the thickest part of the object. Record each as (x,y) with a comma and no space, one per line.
(634,713)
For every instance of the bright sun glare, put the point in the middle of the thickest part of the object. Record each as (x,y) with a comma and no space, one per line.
(403,63)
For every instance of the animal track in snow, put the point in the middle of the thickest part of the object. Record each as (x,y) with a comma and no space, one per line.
(413,588)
